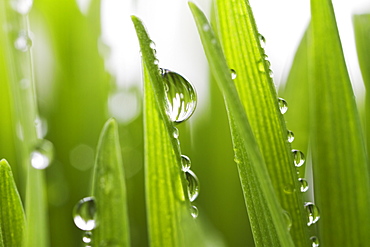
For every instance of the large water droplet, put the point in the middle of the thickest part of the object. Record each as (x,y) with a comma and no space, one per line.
(181,96)
(233,74)
(86,238)
(22,6)
(185,162)
(315,241)
(290,136)
(298,158)
(23,42)
(262,40)
(313,214)
(42,155)
(288,219)
(304,184)
(193,185)
(84,214)
(194,211)
(283,105)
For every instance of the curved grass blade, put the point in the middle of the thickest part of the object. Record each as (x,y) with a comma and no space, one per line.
(269,228)
(109,191)
(295,92)
(341,176)
(241,44)
(18,57)
(362,34)
(12,219)
(169,220)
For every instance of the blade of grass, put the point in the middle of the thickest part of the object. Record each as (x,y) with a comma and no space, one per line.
(362,34)
(341,176)
(109,191)
(12,219)
(168,220)
(240,41)
(21,85)
(269,228)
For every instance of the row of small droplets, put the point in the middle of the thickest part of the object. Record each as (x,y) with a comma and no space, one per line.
(180,105)
(42,154)
(313,214)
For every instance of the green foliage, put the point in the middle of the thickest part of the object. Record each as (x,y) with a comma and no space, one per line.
(109,190)
(73,87)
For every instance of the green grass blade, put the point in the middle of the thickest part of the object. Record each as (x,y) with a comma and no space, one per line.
(241,44)
(166,204)
(341,176)
(270,228)
(295,92)
(12,220)
(109,191)
(362,34)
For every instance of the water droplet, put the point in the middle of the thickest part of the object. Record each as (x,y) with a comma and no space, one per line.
(261,66)
(271,73)
(22,6)
(42,155)
(87,237)
(181,96)
(315,241)
(156,61)
(288,219)
(283,105)
(304,184)
(194,211)
(262,40)
(313,214)
(185,162)
(298,158)
(233,74)
(84,214)
(289,188)
(23,42)
(193,185)
(152,45)
(206,27)
(290,135)
(176,133)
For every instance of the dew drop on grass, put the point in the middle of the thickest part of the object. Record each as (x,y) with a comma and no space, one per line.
(271,73)
(152,45)
(289,189)
(288,219)
(313,214)
(156,61)
(304,184)
(84,214)
(315,241)
(206,27)
(185,162)
(42,155)
(181,96)
(193,185)
(22,6)
(233,74)
(261,66)
(298,158)
(290,135)
(23,42)
(283,105)
(176,133)
(86,238)
(262,40)
(194,211)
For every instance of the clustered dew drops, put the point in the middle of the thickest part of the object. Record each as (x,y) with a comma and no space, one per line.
(84,217)
(313,214)
(181,100)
